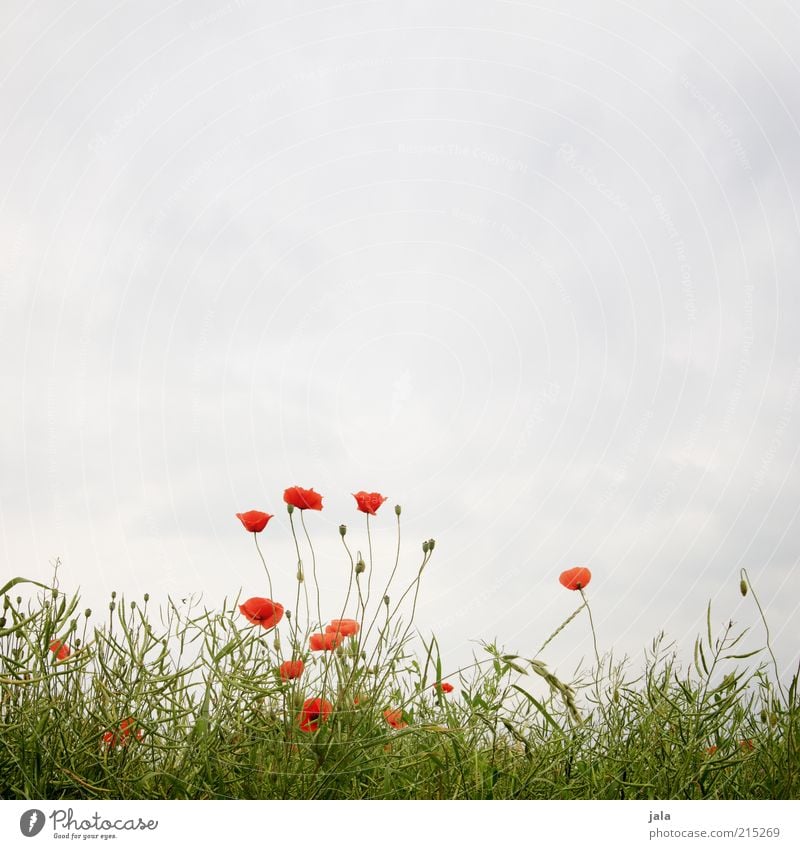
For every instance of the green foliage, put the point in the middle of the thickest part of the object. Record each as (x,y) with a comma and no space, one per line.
(182,703)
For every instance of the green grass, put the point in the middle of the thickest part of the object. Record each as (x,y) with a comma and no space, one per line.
(217,722)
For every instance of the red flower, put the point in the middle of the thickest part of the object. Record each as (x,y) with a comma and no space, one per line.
(262,611)
(291,669)
(345,627)
(325,642)
(395,718)
(123,736)
(576,578)
(60,650)
(711,750)
(368,502)
(315,711)
(254,520)
(746,745)
(444,687)
(303,499)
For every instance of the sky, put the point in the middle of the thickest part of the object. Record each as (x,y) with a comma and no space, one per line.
(529,269)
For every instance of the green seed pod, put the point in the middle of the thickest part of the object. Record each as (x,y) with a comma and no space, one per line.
(54,592)
(146,597)
(112,605)
(88,612)
(133,605)
(288,615)
(431,543)
(113,593)
(743,587)
(397,509)
(290,509)
(386,600)
(300,577)
(342,529)
(425,547)
(361,566)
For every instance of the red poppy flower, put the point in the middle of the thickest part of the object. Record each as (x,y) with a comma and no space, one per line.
(254,520)
(368,502)
(711,750)
(262,611)
(746,745)
(127,731)
(315,711)
(345,627)
(303,499)
(395,718)
(576,578)
(444,687)
(325,642)
(291,669)
(60,650)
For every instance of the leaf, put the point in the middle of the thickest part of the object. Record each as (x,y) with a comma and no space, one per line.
(541,708)
(14,581)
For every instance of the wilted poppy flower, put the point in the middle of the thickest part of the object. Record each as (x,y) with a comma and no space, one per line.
(315,711)
(303,499)
(325,642)
(291,669)
(121,737)
(60,650)
(262,611)
(254,520)
(576,578)
(345,627)
(368,502)
(444,687)
(395,718)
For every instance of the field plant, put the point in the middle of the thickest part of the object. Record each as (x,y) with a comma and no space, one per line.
(271,700)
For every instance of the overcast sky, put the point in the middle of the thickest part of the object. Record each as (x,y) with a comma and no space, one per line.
(528,269)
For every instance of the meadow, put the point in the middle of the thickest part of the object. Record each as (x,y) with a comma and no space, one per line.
(259,699)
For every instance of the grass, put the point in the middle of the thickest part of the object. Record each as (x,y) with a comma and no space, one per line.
(187,703)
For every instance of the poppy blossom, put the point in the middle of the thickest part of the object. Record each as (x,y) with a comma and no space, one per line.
(746,745)
(122,736)
(325,642)
(315,711)
(345,627)
(395,718)
(576,578)
(368,502)
(291,669)
(444,687)
(60,650)
(303,499)
(262,611)
(254,520)
(711,750)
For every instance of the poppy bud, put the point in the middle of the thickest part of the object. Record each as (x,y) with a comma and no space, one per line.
(773,719)
(397,509)
(19,600)
(113,593)
(54,592)
(6,602)
(342,529)
(743,587)
(288,615)
(300,578)
(276,643)
(88,612)
(763,716)
(77,643)
(73,625)
(360,566)
(146,597)
(431,543)
(290,509)
(386,600)
(425,547)
(133,605)
(111,605)
(2,621)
